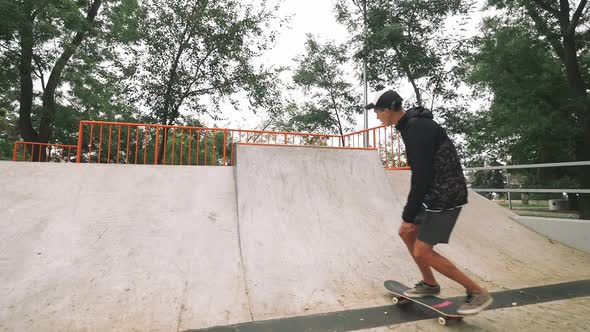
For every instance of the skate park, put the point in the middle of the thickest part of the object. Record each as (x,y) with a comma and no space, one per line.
(244,165)
(289,238)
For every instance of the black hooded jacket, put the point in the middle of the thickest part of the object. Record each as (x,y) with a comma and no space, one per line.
(437,177)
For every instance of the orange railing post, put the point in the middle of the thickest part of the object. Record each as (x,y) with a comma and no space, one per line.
(100,145)
(118,143)
(198,149)
(156,145)
(190,145)
(80,138)
(224,145)
(173,146)
(181,145)
(109,146)
(136,143)
(15,151)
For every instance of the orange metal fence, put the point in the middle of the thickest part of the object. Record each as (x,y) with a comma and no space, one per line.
(34,151)
(133,143)
(384,138)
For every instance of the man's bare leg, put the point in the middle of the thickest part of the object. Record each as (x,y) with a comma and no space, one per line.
(426,256)
(409,235)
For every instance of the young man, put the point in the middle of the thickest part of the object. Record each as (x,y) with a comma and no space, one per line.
(438,191)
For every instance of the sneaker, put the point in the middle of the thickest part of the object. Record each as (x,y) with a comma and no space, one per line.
(475,303)
(421,289)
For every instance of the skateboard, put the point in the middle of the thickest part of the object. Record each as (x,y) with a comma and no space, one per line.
(445,308)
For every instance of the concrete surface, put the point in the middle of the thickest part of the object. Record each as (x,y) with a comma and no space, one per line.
(118,248)
(567,315)
(318,229)
(125,248)
(394,315)
(571,232)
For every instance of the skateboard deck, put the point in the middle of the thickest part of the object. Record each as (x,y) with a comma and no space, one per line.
(445,308)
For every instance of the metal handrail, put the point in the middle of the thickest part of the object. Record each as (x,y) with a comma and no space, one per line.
(529,190)
(563,164)
(524,190)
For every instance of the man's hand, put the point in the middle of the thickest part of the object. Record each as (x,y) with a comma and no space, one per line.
(406,228)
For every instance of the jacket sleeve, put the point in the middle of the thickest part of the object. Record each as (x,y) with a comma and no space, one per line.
(420,144)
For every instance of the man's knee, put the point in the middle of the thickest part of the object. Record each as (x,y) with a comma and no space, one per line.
(409,238)
(408,231)
(422,251)
(404,234)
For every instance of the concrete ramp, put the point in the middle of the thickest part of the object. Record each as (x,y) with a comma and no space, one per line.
(118,248)
(572,232)
(318,229)
(289,231)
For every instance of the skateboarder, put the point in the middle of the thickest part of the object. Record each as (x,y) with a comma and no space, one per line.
(438,191)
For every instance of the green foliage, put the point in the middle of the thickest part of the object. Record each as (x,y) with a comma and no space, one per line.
(201,48)
(405,40)
(533,117)
(306,119)
(528,121)
(8,133)
(201,148)
(84,85)
(334,102)
(124,64)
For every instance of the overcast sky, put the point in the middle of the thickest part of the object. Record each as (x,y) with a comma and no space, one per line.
(307,16)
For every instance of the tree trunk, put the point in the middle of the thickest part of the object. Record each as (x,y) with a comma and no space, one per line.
(168,94)
(579,96)
(584,173)
(410,77)
(25,69)
(566,49)
(335,107)
(49,105)
(163,144)
(339,126)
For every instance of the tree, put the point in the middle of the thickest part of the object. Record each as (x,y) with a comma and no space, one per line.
(555,25)
(42,41)
(197,49)
(405,40)
(320,72)
(527,122)
(305,118)
(30,15)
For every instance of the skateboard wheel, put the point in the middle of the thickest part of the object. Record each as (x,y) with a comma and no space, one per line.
(442,321)
(398,300)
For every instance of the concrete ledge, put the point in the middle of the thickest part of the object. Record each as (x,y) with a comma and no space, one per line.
(571,232)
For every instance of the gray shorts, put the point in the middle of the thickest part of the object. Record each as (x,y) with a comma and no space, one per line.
(436,227)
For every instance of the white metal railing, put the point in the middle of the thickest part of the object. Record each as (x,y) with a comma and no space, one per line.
(529,190)
(564,164)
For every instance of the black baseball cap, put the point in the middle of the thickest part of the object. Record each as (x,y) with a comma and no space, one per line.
(385,99)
